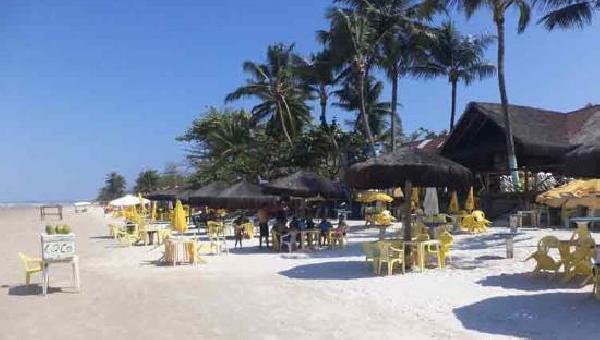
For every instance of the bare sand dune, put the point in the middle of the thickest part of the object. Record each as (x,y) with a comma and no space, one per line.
(258,294)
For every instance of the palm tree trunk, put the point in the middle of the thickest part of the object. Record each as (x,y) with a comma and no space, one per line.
(510,145)
(453,109)
(323,102)
(406,215)
(363,111)
(283,127)
(394,108)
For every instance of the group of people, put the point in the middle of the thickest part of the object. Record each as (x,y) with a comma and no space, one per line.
(296,224)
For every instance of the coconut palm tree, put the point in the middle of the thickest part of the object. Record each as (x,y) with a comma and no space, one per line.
(353,42)
(457,57)
(377,111)
(400,23)
(114,187)
(498,10)
(147,181)
(569,13)
(319,75)
(281,94)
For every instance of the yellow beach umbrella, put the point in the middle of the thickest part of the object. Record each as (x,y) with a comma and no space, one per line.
(453,207)
(414,199)
(397,193)
(153,212)
(373,196)
(470,202)
(142,205)
(178,220)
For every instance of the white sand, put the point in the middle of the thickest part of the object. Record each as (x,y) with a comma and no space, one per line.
(252,294)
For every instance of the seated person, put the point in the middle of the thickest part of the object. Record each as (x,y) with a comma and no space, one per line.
(325,226)
(310,224)
(294,223)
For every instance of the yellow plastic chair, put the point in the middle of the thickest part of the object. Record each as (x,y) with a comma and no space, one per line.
(248,230)
(580,261)
(446,241)
(480,217)
(31,265)
(371,252)
(142,234)
(113,230)
(170,250)
(390,255)
(545,262)
(216,235)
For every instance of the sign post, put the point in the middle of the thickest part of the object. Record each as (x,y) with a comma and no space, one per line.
(58,248)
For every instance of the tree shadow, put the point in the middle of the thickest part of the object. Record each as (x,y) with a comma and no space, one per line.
(539,316)
(106,237)
(488,241)
(527,282)
(338,270)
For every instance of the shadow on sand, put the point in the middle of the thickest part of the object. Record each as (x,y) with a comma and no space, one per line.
(338,270)
(33,289)
(527,282)
(539,316)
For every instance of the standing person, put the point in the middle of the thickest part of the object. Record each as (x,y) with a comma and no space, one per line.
(263,225)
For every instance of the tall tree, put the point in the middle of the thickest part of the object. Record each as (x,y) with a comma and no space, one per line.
(353,41)
(498,10)
(281,93)
(457,57)
(172,176)
(319,75)
(399,21)
(569,13)
(114,187)
(147,180)
(377,111)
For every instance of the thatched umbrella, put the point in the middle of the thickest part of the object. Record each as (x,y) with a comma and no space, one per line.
(243,196)
(206,193)
(409,167)
(306,184)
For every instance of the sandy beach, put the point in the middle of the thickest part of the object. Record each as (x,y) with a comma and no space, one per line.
(259,294)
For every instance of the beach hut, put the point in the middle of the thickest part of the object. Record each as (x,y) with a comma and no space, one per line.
(242,196)
(206,193)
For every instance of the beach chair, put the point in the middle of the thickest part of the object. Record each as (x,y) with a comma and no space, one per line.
(371,253)
(215,232)
(113,230)
(545,262)
(162,234)
(580,261)
(31,265)
(390,255)
(288,240)
(275,240)
(169,255)
(480,218)
(142,234)
(128,239)
(248,230)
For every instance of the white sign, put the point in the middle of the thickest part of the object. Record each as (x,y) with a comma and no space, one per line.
(58,247)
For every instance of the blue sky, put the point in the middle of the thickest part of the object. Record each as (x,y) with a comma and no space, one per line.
(89,87)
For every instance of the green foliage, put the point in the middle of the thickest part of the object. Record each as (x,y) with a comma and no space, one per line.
(147,181)
(280,90)
(172,177)
(114,187)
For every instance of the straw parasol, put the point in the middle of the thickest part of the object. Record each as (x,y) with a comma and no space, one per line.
(409,167)
(178,219)
(243,196)
(305,184)
(422,169)
(169,194)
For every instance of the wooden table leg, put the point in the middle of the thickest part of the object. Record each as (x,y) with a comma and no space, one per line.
(45,279)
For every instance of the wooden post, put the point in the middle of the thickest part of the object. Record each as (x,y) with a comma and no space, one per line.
(406,223)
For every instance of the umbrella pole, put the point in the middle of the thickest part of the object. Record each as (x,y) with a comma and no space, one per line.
(406,221)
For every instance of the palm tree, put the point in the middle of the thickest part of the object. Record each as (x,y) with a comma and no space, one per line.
(349,100)
(458,57)
(353,42)
(498,9)
(114,187)
(319,76)
(399,22)
(147,181)
(281,94)
(569,13)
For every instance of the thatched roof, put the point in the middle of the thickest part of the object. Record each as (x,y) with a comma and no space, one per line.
(424,169)
(168,194)
(206,193)
(306,184)
(542,137)
(243,196)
